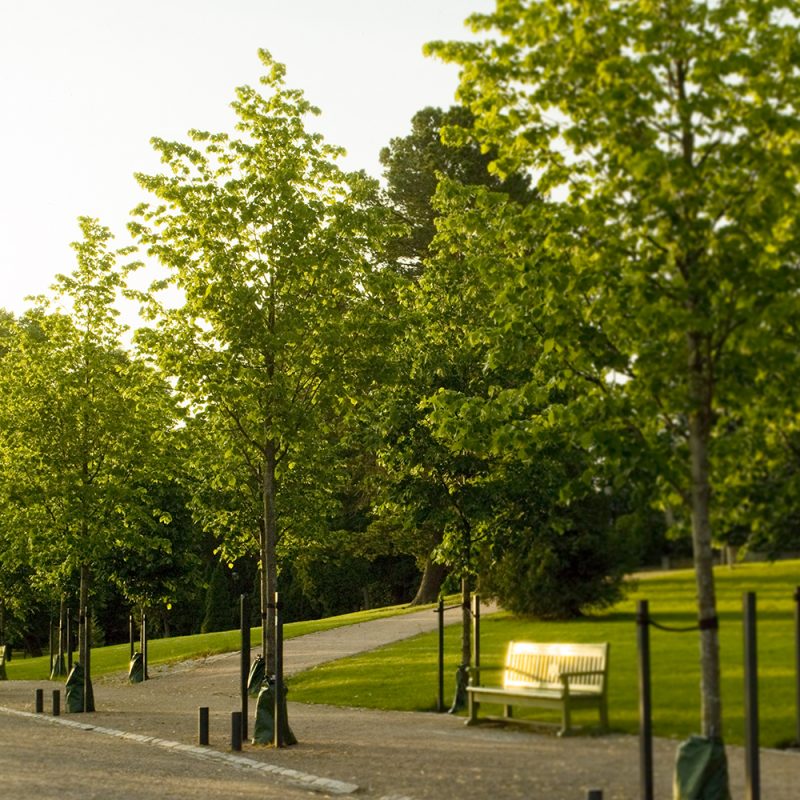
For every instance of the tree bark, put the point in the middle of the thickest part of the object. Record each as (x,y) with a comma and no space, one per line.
(700,426)
(83,604)
(466,623)
(430,584)
(269,568)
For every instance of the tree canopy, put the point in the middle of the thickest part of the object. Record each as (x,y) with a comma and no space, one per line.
(265,239)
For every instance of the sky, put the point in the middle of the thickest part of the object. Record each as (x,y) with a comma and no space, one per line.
(85,84)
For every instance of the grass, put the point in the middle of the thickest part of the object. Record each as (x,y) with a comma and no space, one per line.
(114,658)
(403,676)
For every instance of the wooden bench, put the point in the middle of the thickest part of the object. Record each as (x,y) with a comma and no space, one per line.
(565,676)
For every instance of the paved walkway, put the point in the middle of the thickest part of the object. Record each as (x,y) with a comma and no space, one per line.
(147,733)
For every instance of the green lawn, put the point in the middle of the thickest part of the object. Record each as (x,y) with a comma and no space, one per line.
(106,660)
(404,676)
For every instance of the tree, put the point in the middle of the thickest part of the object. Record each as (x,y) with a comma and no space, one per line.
(265,239)
(416,491)
(542,523)
(413,166)
(164,580)
(83,424)
(664,139)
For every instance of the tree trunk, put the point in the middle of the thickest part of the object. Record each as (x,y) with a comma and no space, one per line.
(269,568)
(700,425)
(431,582)
(466,623)
(83,604)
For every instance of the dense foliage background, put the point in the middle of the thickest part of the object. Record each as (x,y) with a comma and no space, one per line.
(558,340)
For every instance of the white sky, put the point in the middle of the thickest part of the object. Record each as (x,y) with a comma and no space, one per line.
(84,84)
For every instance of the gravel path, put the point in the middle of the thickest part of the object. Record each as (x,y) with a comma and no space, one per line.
(371,754)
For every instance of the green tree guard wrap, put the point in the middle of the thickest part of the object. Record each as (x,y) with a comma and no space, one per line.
(74,698)
(256,677)
(59,666)
(701,770)
(136,668)
(462,681)
(264,731)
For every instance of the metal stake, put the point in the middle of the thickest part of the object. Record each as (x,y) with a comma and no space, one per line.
(81,636)
(244,662)
(68,641)
(440,697)
(87,660)
(60,661)
(475,678)
(144,646)
(279,705)
(797,659)
(645,716)
(56,702)
(39,702)
(752,772)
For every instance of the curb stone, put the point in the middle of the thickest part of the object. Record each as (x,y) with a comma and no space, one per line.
(303,779)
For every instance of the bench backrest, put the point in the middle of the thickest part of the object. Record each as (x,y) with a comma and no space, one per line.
(531,665)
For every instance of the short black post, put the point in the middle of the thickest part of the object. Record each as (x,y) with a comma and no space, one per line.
(594,794)
(244,661)
(645,715)
(440,697)
(130,633)
(56,702)
(797,659)
(751,771)
(68,640)
(87,661)
(202,725)
(279,703)
(39,703)
(236,730)
(475,678)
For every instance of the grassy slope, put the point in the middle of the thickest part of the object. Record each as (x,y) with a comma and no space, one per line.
(114,658)
(403,676)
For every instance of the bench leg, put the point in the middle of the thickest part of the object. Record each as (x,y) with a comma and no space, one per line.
(473,706)
(507,713)
(566,720)
(604,715)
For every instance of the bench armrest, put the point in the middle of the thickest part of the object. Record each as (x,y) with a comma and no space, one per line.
(581,674)
(565,676)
